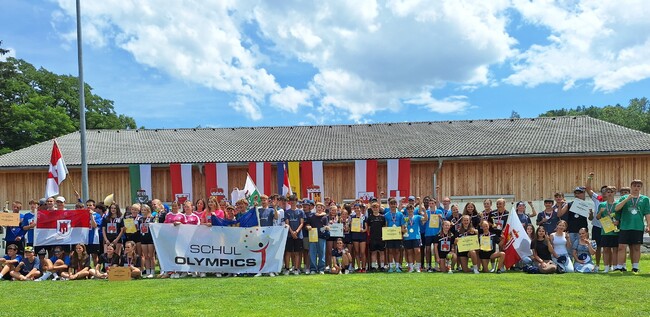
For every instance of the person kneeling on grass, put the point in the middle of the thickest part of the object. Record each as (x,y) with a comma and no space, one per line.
(106,261)
(55,265)
(79,264)
(9,262)
(583,251)
(487,255)
(131,260)
(341,258)
(28,268)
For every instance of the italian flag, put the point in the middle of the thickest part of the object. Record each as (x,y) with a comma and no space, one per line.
(365,178)
(140,178)
(181,175)
(59,227)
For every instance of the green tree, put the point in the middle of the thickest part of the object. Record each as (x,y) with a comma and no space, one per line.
(37,105)
(635,116)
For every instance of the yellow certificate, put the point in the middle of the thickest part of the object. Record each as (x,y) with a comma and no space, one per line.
(486,243)
(356,225)
(129,225)
(434,221)
(467,243)
(313,235)
(391,233)
(608,224)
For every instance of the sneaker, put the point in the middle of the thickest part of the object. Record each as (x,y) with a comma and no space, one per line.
(429,270)
(475,270)
(150,276)
(321,272)
(258,274)
(418,270)
(410,270)
(56,278)
(346,272)
(296,272)
(623,269)
(307,272)
(391,270)
(597,269)
(286,272)
(183,275)
(312,272)
(218,275)
(202,274)
(635,271)
(272,274)
(398,270)
(327,269)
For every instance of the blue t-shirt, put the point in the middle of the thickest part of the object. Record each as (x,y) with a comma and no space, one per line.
(294,216)
(14,232)
(18,258)
(26,219)
(431,232)
(413,227)
(28,266)
(266,217)
(305,232)
(95,235)
(66,259)
(445,213)
(394,220)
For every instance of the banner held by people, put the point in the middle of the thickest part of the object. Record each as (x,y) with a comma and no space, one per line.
(235,250)
(62,227)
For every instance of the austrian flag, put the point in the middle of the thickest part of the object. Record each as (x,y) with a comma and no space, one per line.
(59,227)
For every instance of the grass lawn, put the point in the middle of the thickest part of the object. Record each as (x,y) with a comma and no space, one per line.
(380,294)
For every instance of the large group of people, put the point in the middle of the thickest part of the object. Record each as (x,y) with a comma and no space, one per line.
(561,241)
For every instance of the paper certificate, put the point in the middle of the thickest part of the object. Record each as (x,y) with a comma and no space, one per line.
(313,235)
(336,230)
(391,233)
(467,243)
(356,225)
(486,243)
(9,219)
(119,274)
(130,226)
(581,207)
(608,224)
(434,221)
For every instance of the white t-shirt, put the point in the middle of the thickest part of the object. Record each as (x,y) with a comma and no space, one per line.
(280,220)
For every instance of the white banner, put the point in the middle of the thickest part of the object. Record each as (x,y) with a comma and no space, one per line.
(190,248)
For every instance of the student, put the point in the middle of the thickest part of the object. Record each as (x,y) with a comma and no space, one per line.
(213,209)
(79,264)
(56,265)
(470,210)
(575,221)
(146,241)
(561,246)
(412,238)
(333,217)
(175,217)
(106,262)
(341,258)
(134,215)
(583,252)
(9,262)
(596,229)
(486,256)
(14,234)
(454,217)
(377,246)
(609,240)
(530,231)
(347,236)
(308,209)
(443,247)
(113,227)
(499,217)
(394,218)
(548,218)
(28,268)
(28,223)
(630,211)
(486,214)
(521,212)
(542,252)
(359,238)
(190,217)
(131,260)
(199,205)
(466,229)
(94,248)
(295,220)
(319,222)
(432,229)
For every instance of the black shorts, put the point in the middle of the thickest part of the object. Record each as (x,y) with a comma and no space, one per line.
(347,239)
(332,239)
(630,237)
(596,235)
(146,239)
(428,241)
(609,241)
(412,244)
(293,245)
(377,245)
(485,255)
(93,249)
(394,244)
(442,254)
(135,237)
(463,254)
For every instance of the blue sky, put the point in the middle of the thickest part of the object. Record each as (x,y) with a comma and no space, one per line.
(175,64)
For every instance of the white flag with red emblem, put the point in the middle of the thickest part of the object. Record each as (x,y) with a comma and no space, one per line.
(517,242)
(59,227)
(57,172)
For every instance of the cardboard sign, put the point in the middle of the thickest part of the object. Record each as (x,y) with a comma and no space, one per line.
(391,233)
(356,225)
(118,273)
(130,225)
(336,230)
(313,235)
(467,243)
(9,219)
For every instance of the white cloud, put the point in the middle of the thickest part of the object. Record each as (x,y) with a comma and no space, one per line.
(290,99)
(248,107)
(446,105)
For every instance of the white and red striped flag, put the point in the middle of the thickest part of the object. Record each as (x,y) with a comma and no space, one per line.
(286,185)
(57,172)
(399,177)
(260,173)
(181,175)
(365,179)
(216,180)
(311,179)
(517,242)
(59,227)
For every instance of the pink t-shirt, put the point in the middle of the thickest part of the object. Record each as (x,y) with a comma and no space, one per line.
(191,219)
(172,217)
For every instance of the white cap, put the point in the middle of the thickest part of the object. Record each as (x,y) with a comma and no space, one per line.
(61,199)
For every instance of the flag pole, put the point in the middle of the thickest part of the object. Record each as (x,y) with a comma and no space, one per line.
(82,110)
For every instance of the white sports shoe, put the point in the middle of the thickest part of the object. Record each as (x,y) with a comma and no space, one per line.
(272,274)
(202,275)
(183,275)
(258,274)
(174,275)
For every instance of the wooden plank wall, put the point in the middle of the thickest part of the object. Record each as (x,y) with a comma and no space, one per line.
(526,179)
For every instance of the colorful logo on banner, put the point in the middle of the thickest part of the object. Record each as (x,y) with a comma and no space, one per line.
(256,241)
(63,228)
(142,196)
(314,193)
(182,198)
(218,192)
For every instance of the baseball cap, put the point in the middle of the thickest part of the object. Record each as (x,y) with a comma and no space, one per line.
(61,199)
(521,203)
(579,189)
(373,199)
(411,197)
(29,249)
(311,202)
(42,252)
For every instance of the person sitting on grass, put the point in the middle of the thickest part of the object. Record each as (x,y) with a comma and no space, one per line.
(9,262)
(131,260)
(542,251)
(79,264)
(28,268)
(106,262)
(56,265)
(561,246)
(583,251)
(341,258)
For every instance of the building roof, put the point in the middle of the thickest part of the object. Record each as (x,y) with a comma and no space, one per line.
(580,135)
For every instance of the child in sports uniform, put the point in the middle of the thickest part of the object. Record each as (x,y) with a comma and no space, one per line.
(466,229)
(9,261)
(79,264)
(341,258)
(106,262)
(443,246)
(131,260)
(375,222)
(487,254)
(28,268)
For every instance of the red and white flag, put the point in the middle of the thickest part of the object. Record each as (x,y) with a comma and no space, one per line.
(286,185)
(216,180)
(311,178)
(59,227)
(181,175)
(517,242)
(365,179)
(399,177)
(260,173)
(57,172)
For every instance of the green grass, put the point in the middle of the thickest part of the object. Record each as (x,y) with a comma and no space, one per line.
(381,294)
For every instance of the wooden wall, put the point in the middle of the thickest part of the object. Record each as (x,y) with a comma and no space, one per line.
(526,179)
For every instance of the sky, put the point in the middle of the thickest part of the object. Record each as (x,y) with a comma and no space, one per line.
(229,63)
